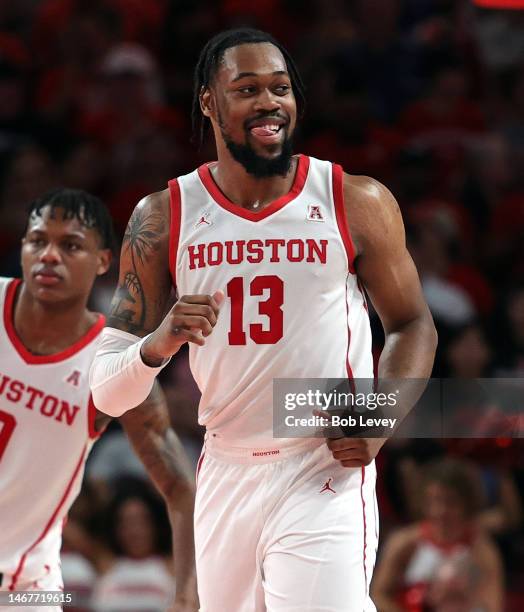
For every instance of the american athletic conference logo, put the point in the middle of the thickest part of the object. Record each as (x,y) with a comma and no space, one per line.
(314,213)
(73,378)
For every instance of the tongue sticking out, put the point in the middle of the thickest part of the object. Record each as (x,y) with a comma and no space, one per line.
(262,131)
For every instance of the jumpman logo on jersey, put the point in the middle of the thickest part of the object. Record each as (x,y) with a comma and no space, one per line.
(204,220)
(327,486)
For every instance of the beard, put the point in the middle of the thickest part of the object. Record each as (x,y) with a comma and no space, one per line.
(257,165)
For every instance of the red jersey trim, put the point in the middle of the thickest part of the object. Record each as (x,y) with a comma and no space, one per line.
(340,213)
(91,417)
(50,523)
(27,356)
(175,206)
(364,523)
(349,370)
(214,191)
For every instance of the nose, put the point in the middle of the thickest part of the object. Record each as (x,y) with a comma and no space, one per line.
(50,254)
(267,102)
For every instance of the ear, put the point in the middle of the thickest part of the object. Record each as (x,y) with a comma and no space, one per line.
(104,261)
(22,242)
(207,102)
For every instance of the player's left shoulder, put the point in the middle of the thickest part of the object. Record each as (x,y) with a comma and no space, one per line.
(366,194)
(372,210)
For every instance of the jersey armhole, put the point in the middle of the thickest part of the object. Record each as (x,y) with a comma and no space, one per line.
(175,207)
(341,216)
(91,418)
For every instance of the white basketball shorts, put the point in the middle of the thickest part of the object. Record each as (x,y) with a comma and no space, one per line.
(282,532)
(51,580)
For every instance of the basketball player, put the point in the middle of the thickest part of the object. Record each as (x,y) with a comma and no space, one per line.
(47,421)
(268,251)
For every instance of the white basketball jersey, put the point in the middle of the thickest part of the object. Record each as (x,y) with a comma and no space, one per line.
(46,430)
(293,306)
(429,555)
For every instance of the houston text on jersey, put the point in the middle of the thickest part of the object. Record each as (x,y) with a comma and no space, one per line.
(31,398)
(273,250)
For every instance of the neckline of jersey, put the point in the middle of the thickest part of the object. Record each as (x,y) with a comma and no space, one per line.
(20,348)
(223,201)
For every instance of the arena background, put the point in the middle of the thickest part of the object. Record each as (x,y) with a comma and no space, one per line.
(425,95)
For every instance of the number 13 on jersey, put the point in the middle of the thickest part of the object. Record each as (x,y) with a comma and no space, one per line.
(270,307)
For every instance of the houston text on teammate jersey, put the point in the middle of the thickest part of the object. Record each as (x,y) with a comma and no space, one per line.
(17,392)
(255,251)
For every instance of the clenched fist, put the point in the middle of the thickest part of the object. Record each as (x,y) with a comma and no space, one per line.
(355,452)
(191,319)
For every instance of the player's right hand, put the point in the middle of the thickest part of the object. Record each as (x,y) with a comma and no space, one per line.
(191,319)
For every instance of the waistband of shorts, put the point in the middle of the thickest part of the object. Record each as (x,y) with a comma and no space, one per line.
(226,450)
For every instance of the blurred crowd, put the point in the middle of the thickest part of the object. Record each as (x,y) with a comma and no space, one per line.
(427,96)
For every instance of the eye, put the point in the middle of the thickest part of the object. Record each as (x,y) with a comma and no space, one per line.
(72,246)
(282,89)
(37,242)
(247,90)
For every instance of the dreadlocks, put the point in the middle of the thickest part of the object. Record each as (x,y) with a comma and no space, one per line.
(210,58)
(78,204)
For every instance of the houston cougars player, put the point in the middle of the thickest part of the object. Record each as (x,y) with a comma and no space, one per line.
(47,421)
(268,252)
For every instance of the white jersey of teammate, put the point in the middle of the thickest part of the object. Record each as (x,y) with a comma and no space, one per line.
(293,306)
(46,431)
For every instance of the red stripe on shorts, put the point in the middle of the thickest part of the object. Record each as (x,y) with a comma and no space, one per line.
(364,520)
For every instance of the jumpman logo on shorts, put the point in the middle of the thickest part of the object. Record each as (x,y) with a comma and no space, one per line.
(327,486)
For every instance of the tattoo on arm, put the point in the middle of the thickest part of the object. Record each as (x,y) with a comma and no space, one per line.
(156,444)
(142,240)
(127,302)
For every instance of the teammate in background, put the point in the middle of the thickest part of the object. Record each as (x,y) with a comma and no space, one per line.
(48,422)
(281,245)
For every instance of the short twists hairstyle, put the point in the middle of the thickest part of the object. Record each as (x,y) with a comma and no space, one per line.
(210,58)
(78,204)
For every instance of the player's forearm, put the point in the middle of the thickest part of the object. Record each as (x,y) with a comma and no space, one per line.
(119,378)
(174,479)
(409,351)
(406,363)
(158,447)
(180,510)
